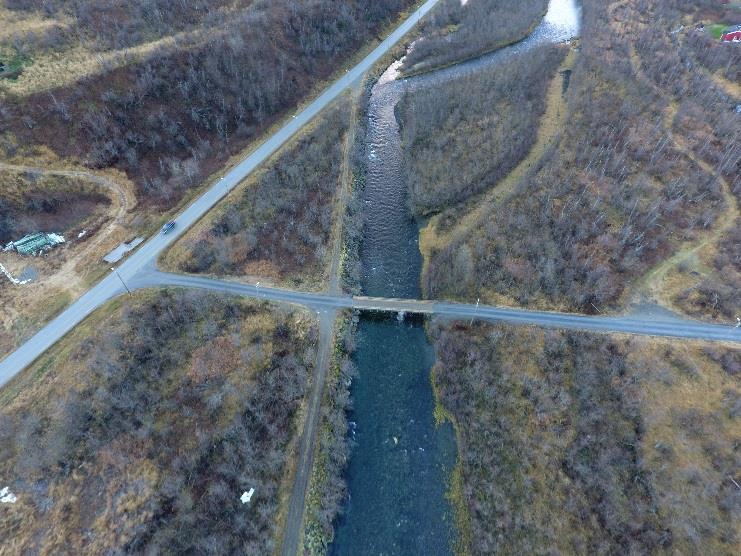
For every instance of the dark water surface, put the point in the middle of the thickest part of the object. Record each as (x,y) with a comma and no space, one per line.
(400,468)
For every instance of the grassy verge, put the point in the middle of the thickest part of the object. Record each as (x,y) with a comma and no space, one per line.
(717,29)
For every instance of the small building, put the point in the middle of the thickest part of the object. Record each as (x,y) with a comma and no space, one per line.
(732,34)
(35,244)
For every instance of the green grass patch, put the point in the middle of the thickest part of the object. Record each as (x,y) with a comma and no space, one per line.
(12,63)
(716,29)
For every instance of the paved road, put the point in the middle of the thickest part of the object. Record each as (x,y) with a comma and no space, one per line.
(148,252)
(138,270)
(636,324)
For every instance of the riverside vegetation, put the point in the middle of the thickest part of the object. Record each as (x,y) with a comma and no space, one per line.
(457,31)
(328,486)
(139,432)
(277,225)
(463,136)
(578,443)
(624,185)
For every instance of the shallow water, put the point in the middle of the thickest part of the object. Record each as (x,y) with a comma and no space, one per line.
(389,254)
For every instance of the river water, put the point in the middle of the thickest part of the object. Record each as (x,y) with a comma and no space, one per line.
(400,467)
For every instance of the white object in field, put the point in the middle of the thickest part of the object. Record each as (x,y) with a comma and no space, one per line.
(247,495)
(7,497)
(56,239)
(15,281)
(81,234)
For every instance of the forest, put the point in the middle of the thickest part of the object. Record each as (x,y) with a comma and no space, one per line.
(585,444)
(647,165)
(171,117)
(279,225)
(457,31)
(446,128)
(140,431)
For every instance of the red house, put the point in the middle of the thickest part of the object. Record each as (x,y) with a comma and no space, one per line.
(732,34)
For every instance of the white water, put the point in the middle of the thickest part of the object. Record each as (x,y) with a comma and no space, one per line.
(564,15)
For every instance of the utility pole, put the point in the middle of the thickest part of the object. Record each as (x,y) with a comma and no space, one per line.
(476,311)
(124,283)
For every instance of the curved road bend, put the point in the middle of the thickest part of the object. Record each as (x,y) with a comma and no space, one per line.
(110,286)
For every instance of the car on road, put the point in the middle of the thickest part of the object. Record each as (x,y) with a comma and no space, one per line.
(168,227)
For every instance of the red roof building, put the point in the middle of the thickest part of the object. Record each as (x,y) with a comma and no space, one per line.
(732,34)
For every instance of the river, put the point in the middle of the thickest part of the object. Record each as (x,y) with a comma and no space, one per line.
(400,467)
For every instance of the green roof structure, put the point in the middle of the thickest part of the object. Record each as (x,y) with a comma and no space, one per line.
(34,244)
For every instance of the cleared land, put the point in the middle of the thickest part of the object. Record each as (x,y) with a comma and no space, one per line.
(622,188)
(141,430)
(457,31)
(63,201)
(576,443)
(277,225)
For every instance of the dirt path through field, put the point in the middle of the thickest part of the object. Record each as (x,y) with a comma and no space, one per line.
(551,122)
(123,200)
(651,286)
